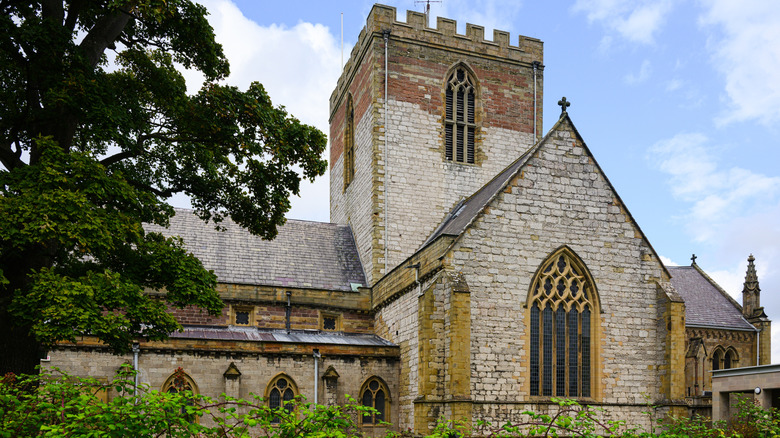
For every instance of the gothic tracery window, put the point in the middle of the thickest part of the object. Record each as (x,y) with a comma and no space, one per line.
(460,121)
(375,395)
(280,391)
(562,308)
(181,383)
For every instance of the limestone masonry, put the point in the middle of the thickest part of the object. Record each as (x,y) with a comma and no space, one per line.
(474,268)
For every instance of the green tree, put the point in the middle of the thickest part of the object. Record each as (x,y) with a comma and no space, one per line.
(90,150)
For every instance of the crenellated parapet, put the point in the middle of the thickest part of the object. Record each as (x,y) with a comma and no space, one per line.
(444,36)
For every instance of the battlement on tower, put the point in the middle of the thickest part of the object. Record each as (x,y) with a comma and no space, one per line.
(444,36)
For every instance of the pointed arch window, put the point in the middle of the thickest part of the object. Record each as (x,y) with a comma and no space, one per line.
(375,394)
(716,358)
(562,307)
(460,117)
(280,392)
(349,143)
(728,361)
(181,383)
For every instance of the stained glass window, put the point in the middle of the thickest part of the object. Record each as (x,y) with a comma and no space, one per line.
(281,391)
(375,396)
(560,350)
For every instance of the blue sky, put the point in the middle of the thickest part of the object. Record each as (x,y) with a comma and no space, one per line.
(678,100)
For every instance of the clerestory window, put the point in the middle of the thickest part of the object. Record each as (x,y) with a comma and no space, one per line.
(561,328)
(460,121)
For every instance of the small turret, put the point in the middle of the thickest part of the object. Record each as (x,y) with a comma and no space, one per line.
(751,293)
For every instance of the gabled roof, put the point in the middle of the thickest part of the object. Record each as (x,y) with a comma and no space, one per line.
(706,303)
(466,211)
(313,255)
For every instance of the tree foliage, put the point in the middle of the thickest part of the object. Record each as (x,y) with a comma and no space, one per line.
(91,149)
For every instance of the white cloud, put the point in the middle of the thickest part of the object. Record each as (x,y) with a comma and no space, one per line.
(639,77)
(667,261)
(745,48)
(636,21)
(674,84)
(298,66)
(717,196)
(732,213)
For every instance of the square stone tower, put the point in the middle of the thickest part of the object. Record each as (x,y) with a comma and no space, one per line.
(420,119)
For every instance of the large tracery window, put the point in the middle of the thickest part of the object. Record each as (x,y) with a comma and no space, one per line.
(459,121)
(562,305)
(349,143)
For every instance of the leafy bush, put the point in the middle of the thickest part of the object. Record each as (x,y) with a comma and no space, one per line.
(54,404)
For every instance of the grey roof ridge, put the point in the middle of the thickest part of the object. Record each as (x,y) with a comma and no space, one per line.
(720,289)
(192,210)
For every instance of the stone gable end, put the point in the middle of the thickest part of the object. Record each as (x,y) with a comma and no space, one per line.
(560,197)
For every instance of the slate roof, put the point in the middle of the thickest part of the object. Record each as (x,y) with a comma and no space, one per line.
(305,254)
(706,303)
(254,334)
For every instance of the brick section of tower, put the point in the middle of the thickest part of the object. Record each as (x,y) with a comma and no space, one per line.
(423,187)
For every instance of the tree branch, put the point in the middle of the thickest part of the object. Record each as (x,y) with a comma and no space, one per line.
(73,14)
(104,33)
(113,159)
(9,158)
(53,10)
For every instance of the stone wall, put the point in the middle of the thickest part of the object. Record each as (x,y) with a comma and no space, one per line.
(257,370)
(415,182)
(742,342)
(561,197)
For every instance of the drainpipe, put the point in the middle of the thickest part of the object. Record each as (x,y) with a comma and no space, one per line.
(287,313)
(386,36)
(536,67)
(316,374)
(136,351)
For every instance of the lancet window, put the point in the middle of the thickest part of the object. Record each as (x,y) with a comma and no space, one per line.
(349,143)
(460,120)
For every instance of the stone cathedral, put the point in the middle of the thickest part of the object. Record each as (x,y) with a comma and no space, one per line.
(474,267)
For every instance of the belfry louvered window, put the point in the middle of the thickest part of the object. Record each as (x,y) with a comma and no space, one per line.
(560,329)
(460,121)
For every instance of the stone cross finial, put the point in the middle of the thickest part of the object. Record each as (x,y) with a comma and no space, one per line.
(693,259)
(564,104)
